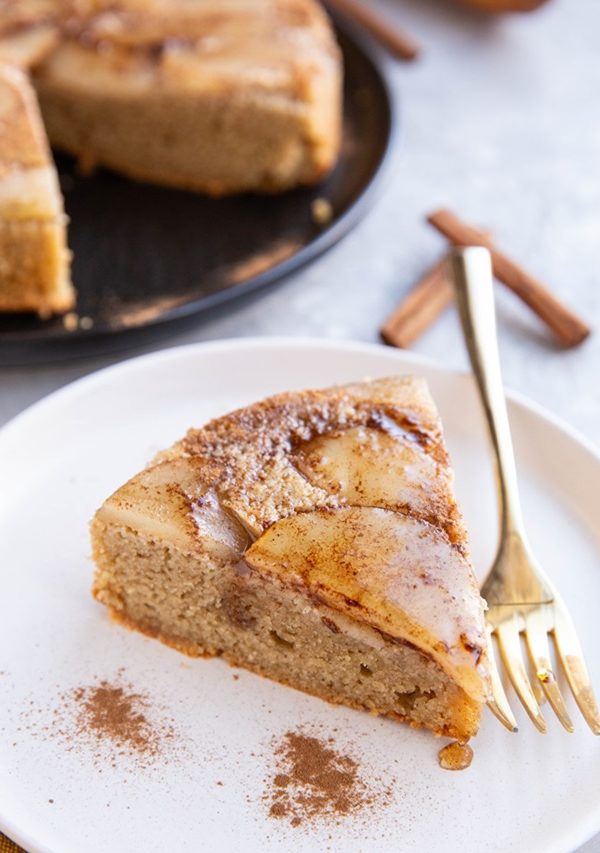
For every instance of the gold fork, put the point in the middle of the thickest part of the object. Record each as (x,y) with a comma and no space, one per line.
(522,601)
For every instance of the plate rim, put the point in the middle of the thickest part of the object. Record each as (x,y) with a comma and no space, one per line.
(516,398)
(579,833)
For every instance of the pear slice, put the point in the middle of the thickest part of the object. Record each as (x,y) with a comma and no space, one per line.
(171,502)
(379,467)
(394,573)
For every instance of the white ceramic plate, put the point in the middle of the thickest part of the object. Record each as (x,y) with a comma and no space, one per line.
(61,458)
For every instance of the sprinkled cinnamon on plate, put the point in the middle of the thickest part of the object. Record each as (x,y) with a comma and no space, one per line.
(113,721)
(111,711)
(313,780)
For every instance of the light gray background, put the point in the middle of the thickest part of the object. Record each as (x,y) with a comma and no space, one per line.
(500,119)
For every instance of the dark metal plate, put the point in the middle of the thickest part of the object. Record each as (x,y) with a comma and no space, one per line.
(147,257)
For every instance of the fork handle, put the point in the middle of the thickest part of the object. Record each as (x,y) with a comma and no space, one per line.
(473,282)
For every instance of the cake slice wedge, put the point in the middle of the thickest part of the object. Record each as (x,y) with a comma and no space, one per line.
(313,538)
(34,259)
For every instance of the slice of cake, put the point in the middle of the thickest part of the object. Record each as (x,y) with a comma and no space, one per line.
(219,96)
(313,538)
(34,260)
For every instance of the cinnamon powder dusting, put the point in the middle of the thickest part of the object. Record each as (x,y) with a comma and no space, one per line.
(110,711)
(315,781)
(110,722)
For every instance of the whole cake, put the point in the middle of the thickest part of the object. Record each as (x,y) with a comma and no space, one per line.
(34,260)
(219,96)
(313,538)
(216,96)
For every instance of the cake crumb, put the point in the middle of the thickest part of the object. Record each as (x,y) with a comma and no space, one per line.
(321,211)
(70,321)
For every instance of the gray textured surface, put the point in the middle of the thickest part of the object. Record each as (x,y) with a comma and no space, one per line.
(501,120)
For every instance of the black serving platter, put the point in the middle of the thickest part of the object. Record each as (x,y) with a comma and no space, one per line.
(146,258)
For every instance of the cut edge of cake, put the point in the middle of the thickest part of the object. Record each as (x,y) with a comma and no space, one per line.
(34,258)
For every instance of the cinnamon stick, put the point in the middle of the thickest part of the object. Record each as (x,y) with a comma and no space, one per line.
(566,325)
(399,43)
(425,302)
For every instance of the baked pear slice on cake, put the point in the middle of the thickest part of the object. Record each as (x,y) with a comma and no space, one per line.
(313,538)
